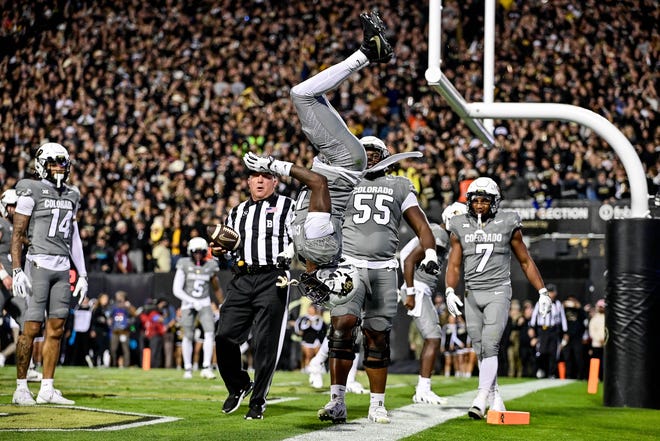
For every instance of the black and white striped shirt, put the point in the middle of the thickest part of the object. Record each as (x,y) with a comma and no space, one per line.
(556,318)
(264,228)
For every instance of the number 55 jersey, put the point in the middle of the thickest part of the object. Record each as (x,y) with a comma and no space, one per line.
(373,215)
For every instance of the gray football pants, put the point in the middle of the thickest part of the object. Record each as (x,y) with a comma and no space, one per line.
(486,316)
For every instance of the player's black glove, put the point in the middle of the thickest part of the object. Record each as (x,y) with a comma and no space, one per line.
(430,263)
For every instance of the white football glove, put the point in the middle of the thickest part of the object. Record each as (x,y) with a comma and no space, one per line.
(80,290)
(453,302)
(430,263)
(257,163)
(545,303)
(22,284)
(199,304)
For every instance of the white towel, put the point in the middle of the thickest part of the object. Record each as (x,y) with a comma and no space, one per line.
(417,310)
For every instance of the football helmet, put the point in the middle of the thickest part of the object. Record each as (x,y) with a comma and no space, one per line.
(452,210)
(333,286)
(52,153)
(197,244)
(9,197)
(374,144)
(483,187)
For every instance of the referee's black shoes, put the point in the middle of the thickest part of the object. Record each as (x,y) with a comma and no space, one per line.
(256,412)
(234,400)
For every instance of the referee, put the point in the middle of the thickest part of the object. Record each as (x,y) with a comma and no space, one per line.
(253,301)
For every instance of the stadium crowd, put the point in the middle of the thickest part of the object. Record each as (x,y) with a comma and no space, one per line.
(157,101)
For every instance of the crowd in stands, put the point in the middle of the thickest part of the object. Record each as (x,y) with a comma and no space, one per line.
(157,101)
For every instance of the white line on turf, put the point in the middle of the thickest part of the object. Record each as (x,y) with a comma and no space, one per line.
(414,418)
(282,400)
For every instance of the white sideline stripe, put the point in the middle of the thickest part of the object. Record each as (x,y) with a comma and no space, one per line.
(414,418)
(282,400)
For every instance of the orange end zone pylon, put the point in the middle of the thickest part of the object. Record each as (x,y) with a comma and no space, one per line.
(507,417)
(561,368)
(146,359)
(592,382)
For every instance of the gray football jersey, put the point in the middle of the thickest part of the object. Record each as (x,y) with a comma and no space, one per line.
(5,243)
(51,225)
(340,183)
(373,215)
(486,250)
(198,278)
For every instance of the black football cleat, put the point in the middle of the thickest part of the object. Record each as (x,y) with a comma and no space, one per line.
(255,413)
(233,401)
(375,46)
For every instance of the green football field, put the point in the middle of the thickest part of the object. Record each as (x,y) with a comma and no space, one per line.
(121,404)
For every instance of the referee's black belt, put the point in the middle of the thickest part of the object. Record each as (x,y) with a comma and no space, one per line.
(257,269)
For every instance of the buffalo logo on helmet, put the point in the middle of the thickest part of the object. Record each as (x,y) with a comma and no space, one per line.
(331,286)
(347,286)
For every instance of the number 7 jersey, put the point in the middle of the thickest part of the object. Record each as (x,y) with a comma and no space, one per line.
(486,248)
(51,222)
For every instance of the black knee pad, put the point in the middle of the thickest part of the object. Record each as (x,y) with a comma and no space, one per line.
(376,349)
(340,343)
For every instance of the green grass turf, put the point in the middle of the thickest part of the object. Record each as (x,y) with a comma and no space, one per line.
(562,413)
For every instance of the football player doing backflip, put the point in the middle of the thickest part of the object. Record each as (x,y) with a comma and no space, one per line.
(338,166)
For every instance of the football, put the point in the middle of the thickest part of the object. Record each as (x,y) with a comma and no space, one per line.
(222,236)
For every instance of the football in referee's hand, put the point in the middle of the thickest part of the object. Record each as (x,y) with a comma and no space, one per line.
(222,236)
